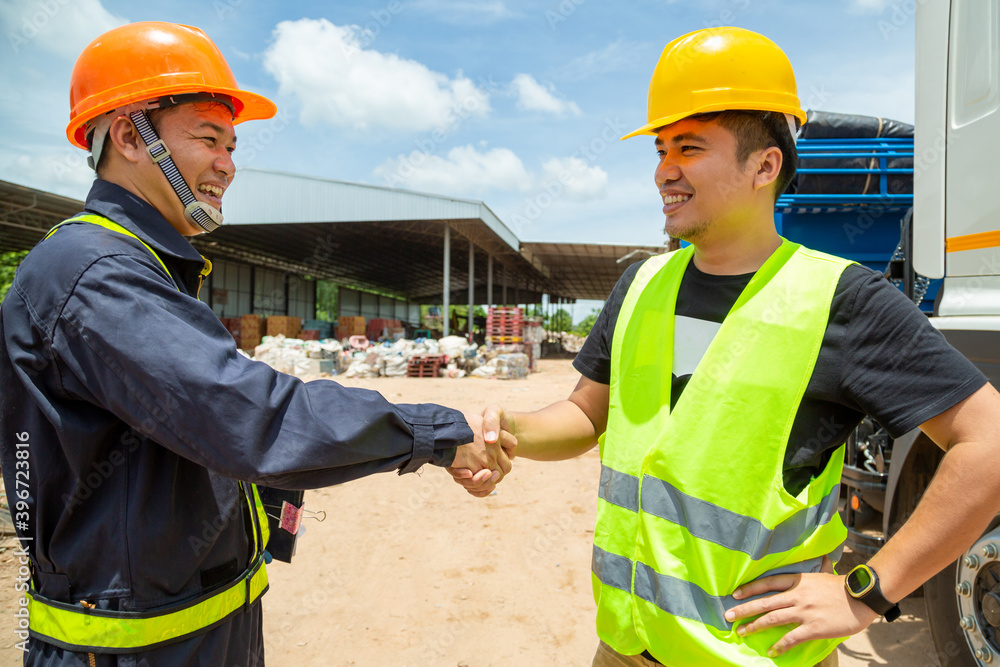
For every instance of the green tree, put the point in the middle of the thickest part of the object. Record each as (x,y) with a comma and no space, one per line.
(587,323)
(561,320)
(326,300)
(9,261)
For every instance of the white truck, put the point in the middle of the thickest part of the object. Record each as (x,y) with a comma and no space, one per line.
(955,236)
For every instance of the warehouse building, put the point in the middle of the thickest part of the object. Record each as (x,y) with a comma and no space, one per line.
(388,251)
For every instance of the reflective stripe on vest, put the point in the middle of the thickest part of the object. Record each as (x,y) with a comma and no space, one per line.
(711,522)
(676,596)
(78,628)
(691,502)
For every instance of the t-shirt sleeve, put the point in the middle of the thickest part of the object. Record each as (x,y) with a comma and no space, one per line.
(898,368)
(594,359)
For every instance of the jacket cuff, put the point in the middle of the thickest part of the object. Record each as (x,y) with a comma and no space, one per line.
(436,442)
(423,448)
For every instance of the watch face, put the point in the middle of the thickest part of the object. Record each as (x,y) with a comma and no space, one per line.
(860,580)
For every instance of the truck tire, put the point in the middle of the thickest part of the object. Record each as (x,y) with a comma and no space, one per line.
(942,616)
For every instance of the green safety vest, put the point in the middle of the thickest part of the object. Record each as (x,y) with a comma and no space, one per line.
(78,628)
(692,501)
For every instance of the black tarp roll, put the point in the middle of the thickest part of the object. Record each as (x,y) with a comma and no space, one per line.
(826,125)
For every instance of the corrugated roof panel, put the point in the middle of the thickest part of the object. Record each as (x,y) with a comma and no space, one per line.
(258,196)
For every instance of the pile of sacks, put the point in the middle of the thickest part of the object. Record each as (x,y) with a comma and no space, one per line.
(301,358)
(311,359)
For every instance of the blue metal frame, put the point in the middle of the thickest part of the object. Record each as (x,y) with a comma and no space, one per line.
(876,149)
(864,228)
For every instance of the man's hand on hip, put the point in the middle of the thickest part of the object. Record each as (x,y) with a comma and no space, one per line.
(817,604)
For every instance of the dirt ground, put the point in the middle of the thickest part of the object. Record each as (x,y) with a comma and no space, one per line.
(413,572)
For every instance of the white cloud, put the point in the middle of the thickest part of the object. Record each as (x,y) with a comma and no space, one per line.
(464,171)
(470,172)
(580,182)
(339,81)
(62,27)
(533,96)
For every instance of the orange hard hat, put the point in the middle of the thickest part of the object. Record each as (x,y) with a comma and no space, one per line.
(149,60)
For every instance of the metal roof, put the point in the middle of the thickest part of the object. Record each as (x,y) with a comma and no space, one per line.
(587,270)
(276,197)
(367,237)
(26,214)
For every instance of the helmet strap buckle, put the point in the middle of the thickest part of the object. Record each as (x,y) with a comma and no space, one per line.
(158,151)
(203,215)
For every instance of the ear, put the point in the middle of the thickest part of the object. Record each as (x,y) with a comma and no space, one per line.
(126,139)
(768,163)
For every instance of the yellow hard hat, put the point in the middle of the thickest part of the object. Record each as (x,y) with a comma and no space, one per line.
(719,69)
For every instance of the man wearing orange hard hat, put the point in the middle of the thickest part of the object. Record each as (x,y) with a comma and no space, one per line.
(720,382)
(133,433)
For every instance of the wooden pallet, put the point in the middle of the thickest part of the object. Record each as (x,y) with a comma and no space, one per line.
(505,339)
(426,366)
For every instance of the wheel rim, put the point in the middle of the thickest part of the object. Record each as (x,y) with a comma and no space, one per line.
(978,593)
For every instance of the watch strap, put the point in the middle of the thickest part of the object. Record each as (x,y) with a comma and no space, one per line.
(876,601)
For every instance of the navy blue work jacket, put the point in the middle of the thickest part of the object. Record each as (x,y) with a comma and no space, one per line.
(140,415)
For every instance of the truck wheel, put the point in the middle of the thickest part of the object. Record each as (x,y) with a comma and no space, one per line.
(942,616)
(963,606)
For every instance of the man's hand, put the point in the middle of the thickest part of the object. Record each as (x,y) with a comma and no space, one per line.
(480,465)
(817,603)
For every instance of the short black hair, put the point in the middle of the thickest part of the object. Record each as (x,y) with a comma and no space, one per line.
(757,130)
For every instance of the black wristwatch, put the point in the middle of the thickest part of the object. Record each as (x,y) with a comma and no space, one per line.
(862,584)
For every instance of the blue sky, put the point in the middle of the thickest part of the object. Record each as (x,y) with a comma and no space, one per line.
(484,99)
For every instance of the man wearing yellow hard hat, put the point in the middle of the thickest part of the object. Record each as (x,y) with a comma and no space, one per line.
(133,431)
(720,382)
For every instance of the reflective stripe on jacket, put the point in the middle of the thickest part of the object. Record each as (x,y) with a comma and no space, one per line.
(78,628)
(692,502)
(141,416)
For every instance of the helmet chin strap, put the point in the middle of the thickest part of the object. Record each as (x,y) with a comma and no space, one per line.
(197,212)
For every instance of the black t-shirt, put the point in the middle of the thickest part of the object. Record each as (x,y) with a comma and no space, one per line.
(880,356)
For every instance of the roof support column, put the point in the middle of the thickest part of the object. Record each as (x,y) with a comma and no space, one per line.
(446,293)
(472,284)
(489,282)
(503,273)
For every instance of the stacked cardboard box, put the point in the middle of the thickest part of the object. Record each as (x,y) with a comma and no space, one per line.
(289,327)
(350,326)
(378,328)
(251,329)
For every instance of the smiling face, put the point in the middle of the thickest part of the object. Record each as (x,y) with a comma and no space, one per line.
(705,190)
(201,138)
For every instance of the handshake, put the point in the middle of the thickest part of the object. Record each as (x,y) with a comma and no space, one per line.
(481,464)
